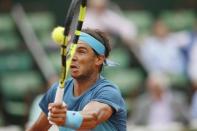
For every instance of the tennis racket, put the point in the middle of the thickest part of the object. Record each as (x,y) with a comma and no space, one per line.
(72,27)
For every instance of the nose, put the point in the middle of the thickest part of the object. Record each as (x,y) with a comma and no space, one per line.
(74,57)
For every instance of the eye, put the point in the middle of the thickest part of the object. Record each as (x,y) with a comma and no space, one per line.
(82,51)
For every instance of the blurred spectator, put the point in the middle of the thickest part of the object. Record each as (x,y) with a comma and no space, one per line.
(192,71)
(35,109)
(35,112)
(100,16)
(160,52)
(159,106)
(188,43)
(191,53)
(193,109)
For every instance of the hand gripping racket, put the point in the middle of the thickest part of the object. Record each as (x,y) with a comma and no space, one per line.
(72,26)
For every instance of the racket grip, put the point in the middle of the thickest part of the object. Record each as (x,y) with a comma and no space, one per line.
(59,95)
(58,98)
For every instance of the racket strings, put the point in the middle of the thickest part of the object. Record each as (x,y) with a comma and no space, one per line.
(76,26)
(73,25)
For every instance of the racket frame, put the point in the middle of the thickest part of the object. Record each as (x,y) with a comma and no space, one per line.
(67,56)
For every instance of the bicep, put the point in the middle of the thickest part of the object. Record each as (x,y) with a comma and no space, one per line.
(94,113)
(41,124)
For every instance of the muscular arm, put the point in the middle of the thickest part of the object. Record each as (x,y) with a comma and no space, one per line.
(42,124)
(95,113)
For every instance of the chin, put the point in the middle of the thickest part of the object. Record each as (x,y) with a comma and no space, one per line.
(79,77)
(75,76)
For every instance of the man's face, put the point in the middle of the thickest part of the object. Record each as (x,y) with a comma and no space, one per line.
(84,62)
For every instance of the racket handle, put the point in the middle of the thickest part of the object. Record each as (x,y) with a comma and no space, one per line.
(59,95)
(58,98)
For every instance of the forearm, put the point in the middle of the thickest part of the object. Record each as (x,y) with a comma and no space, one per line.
(34,128)
(91,118)
(92,114)
(41,124)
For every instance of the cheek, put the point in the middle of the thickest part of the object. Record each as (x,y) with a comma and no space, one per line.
(87,63)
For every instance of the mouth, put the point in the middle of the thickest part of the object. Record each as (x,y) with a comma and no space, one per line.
(74,67)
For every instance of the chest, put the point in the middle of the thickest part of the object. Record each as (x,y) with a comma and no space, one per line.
(77,103)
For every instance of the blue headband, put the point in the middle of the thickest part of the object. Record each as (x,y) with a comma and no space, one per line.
(97,46)
(93,43)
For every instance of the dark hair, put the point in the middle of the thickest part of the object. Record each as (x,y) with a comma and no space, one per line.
(102,37)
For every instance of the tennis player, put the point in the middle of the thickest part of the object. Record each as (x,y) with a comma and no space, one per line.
(92,102)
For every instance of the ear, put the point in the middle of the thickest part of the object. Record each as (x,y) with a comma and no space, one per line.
(100,60)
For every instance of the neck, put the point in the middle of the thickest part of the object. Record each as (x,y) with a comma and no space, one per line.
(82,85)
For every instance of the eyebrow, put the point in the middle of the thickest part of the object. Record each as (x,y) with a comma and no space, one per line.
(82,48)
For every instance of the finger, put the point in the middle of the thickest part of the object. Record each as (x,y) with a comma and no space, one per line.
(52,123)
(64,104)
(57,105)
(57,121)
(49,114)
(57,115)
(58,110)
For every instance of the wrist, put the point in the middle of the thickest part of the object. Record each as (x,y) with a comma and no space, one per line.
(73,119)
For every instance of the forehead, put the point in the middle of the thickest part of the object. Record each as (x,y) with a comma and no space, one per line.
(82,44)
